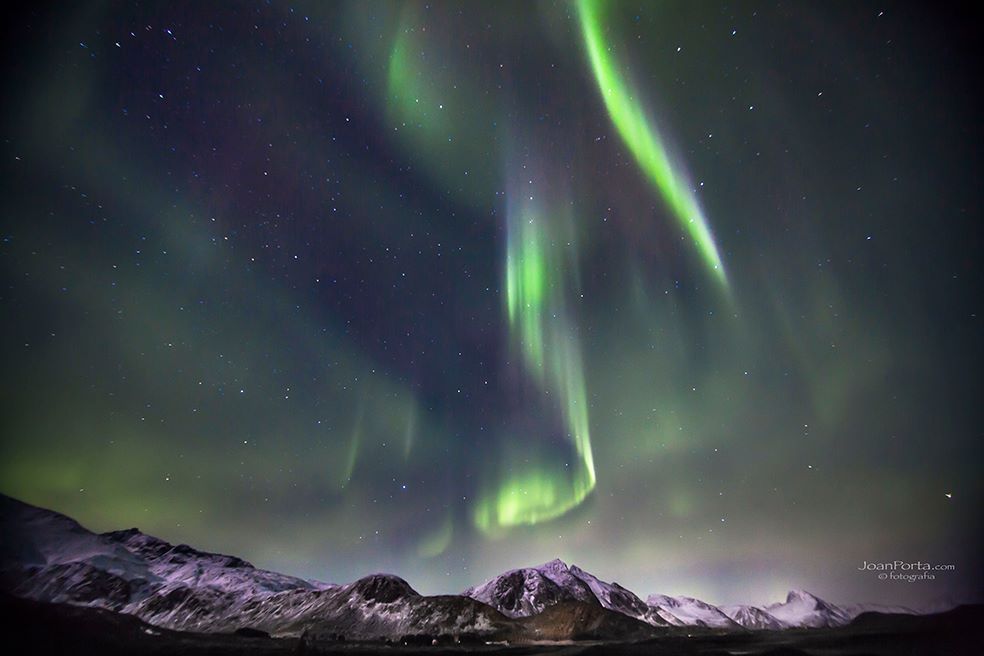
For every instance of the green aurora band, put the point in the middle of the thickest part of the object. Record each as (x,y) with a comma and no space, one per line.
(642,138)
(539,489)
(534,484)
(430,105)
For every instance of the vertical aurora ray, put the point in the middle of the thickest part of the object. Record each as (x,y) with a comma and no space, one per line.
(408,433)
(539,485)
(355,439)
(643,139)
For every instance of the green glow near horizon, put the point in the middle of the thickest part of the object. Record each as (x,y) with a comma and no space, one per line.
(643,139)
(539,489)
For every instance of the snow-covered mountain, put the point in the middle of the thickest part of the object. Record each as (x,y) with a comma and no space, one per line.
(48,557)
(376,607)
(184,565)
(35,537)
(527,591)
(569,579)
(692,612)
(752,618)
(45,556)
(802,609)
(622,600)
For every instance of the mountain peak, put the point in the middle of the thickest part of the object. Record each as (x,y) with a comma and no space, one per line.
(803,608)
(801,595)
(555,565)
(383,588)
(529,590)
(752,617)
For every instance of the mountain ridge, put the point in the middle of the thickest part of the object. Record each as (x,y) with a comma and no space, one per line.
(52,558)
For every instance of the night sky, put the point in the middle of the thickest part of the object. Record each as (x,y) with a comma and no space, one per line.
(685,293)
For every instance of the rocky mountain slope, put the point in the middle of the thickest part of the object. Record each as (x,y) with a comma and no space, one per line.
(530,590)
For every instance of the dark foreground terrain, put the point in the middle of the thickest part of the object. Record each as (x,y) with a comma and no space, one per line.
(41,628)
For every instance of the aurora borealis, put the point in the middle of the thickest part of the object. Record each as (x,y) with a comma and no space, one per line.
(684,293)
(639,136)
